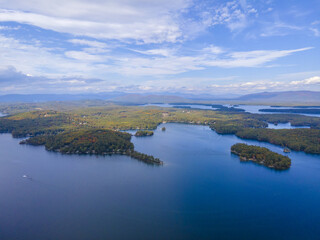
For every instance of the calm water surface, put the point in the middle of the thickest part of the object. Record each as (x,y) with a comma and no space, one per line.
(202,192)
(256,108)
(193,106)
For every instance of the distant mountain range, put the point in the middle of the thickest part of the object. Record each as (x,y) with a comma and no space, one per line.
(282,97)
(288,97)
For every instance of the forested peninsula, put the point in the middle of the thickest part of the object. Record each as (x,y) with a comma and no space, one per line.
(261,156)
(97,141)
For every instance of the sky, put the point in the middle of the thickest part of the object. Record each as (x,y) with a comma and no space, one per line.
(159,46)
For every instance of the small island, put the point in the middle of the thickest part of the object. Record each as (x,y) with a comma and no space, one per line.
(261,156)
(143,133)
(163,128)
(286,150)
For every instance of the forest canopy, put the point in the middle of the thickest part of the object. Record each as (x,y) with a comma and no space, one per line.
(261,156)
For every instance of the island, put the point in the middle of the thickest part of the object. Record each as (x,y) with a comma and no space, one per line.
(261,156)
(143,133)
(286,150)
(93,141)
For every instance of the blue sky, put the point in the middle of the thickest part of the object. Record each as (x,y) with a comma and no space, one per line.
(212,47)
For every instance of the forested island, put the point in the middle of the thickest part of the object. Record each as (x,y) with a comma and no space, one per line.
(143,133)
(261,156)
(97,141)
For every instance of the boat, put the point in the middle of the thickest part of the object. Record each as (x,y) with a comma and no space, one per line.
(26,176)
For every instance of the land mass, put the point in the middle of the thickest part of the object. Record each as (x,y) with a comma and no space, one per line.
(261,156)
(95,141)
(114,117)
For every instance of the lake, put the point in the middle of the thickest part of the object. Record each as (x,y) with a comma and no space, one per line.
(193,106)
(256,108)
(202,192)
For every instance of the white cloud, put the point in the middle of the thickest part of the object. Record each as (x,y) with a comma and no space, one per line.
(139,20)
(309,81)
(277,28)
(83,56)
(233,14)
(311,84)
(9,28)
(160,52)
(214,49)
(250,58)
(38,60)
(315,31)
(94,44)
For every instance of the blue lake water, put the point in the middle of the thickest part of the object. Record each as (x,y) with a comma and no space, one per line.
(202,192)
(193,106)
(256,108)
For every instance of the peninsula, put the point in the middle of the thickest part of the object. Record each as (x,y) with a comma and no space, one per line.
(93,141)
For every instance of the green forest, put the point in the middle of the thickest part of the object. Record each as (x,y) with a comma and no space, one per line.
(261,156)
(143,133)
(306,140)
(53,122)
(98,141)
